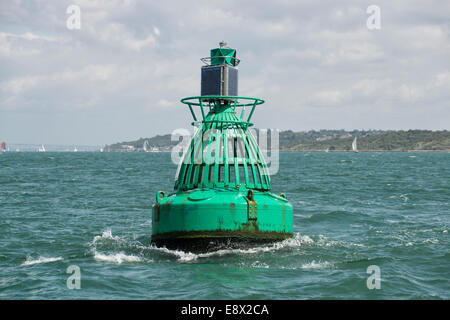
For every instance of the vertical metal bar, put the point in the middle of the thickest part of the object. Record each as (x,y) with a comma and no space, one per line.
(251,159)
(209,127)
(225,80)
(243,111)
(201,107)
(236,163)
(217,141)
(265,179)
(251,112)
(226,178)
(244,159)
(205,175)
(192,112)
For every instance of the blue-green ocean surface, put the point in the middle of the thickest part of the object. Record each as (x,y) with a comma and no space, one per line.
(351,211)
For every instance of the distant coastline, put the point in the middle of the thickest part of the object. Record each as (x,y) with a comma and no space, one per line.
(321,141)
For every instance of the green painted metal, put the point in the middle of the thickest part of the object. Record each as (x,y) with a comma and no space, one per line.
(223,56)
(223,152)
(222,188)
(223,213)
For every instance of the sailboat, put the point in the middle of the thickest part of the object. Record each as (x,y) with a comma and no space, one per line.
(354,145)
(75,150)
(41,148)
(145,146)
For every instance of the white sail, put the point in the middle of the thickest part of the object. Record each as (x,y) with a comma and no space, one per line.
(145,146)
(41,148)
(354,145)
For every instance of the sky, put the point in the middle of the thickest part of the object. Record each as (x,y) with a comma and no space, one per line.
(317,64)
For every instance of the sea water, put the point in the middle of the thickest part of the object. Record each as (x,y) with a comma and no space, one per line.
(353,213)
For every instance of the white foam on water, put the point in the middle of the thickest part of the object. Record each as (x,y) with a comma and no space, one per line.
(116,257)
(431,241)
(316,265)
(108,242)
(106,235)
(31,261)
(323,241)
(183,256)
(258,264)
(392,221)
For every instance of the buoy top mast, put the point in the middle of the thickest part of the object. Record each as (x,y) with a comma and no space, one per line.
(222,192)
(223,153)
(220,73)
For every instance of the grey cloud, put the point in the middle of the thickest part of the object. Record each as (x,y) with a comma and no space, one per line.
(315,63)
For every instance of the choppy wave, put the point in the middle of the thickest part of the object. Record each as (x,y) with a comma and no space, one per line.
(111,248)
(31,261)
(431,240)
(105,235)
(293,243)
(259,264)
(108,247)
(116,257)
(391,212)
(336,215)
(317,265)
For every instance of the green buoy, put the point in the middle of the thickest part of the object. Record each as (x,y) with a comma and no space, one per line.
(222,195)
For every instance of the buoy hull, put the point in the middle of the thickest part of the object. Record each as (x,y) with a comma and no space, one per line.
(213,218)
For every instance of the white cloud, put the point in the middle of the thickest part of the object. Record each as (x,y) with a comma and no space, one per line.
(12,45)
(164,104)
(135,58)
(328,97)
(89,73)
(117,35)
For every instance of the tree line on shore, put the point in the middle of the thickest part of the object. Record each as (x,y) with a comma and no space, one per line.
(329,140)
